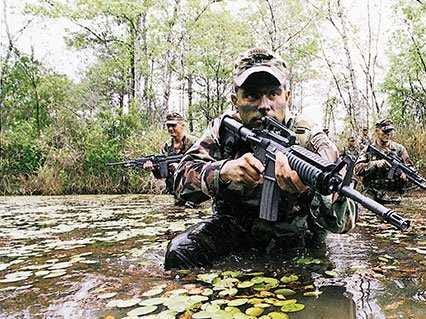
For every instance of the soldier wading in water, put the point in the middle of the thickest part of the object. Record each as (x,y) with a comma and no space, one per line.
(232,176)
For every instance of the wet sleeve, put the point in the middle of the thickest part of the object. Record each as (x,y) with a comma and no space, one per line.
(197,176)
(338,216)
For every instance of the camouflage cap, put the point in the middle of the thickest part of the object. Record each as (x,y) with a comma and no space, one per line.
(174,118)
(258,60)
(385,125)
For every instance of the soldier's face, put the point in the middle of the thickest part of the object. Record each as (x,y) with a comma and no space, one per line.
(176,131)
(261,95)
(384,136)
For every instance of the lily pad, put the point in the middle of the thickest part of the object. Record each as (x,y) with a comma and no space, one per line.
(254,311)
(107,295)
(289,279)
(292,307)
(152,301)
(142,311)
(245,284)
(152,292)
(237,302)
(315,293)
(278,315)
(285,292)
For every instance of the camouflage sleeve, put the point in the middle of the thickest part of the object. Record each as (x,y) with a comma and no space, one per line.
(362,164)
(197,176)
(335,214)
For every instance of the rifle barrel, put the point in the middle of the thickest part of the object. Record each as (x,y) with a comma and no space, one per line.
(387,214)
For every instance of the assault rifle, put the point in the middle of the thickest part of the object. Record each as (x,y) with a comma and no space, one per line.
(397,166)
(161,162)
(318,173)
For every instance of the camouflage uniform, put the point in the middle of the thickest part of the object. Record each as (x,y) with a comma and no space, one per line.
(375,180)
(364,141)
(168,149)
(353,152)
(303,218)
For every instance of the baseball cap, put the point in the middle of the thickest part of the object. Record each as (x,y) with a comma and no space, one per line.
(174,118)
(258,60)
(385,125)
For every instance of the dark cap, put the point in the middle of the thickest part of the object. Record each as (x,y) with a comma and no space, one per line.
(174,118)
(385,125)
(258,60)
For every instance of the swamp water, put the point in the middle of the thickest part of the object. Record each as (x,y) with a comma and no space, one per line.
(101,257)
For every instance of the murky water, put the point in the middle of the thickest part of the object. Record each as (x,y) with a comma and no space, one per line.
(75,256)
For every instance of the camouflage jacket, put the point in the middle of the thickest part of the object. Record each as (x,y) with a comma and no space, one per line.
(352,152)
(168,149)
(197,179)
(364,141)
(377,177)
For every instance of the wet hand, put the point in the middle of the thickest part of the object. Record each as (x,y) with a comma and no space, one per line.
(287,179)
(148,165)
(246,170)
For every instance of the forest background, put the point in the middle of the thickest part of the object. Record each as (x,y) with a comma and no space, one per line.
(350,62)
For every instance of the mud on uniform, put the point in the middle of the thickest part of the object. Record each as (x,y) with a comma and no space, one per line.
(168,149)
(375,180)
(303,218)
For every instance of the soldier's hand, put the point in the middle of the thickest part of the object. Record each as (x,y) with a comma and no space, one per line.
(381,163)
(148,165)
(287,179)
(247,170)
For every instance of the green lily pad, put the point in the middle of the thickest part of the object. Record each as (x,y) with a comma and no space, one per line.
(142,311)
(228,292)
(254,311)
(245,284)
(153,301)
(152,292)
(207,277)
(289,279)
(237,302)
(285,292)
(207,292)
(232,310)
(292,307)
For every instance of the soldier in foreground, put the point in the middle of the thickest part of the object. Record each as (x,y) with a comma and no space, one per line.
(374,172)
(180,142)
(232,176)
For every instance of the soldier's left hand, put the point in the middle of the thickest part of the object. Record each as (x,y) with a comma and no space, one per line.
(287,178)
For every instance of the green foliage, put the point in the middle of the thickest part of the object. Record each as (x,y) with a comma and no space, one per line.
(405,81)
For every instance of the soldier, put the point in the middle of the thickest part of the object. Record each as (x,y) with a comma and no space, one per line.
(352,148)
(365,139)
(180,142)
(374,173)
(232,176)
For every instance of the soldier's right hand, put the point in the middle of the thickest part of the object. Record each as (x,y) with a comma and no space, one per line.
(148,165)
(247,170)
(380,163)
